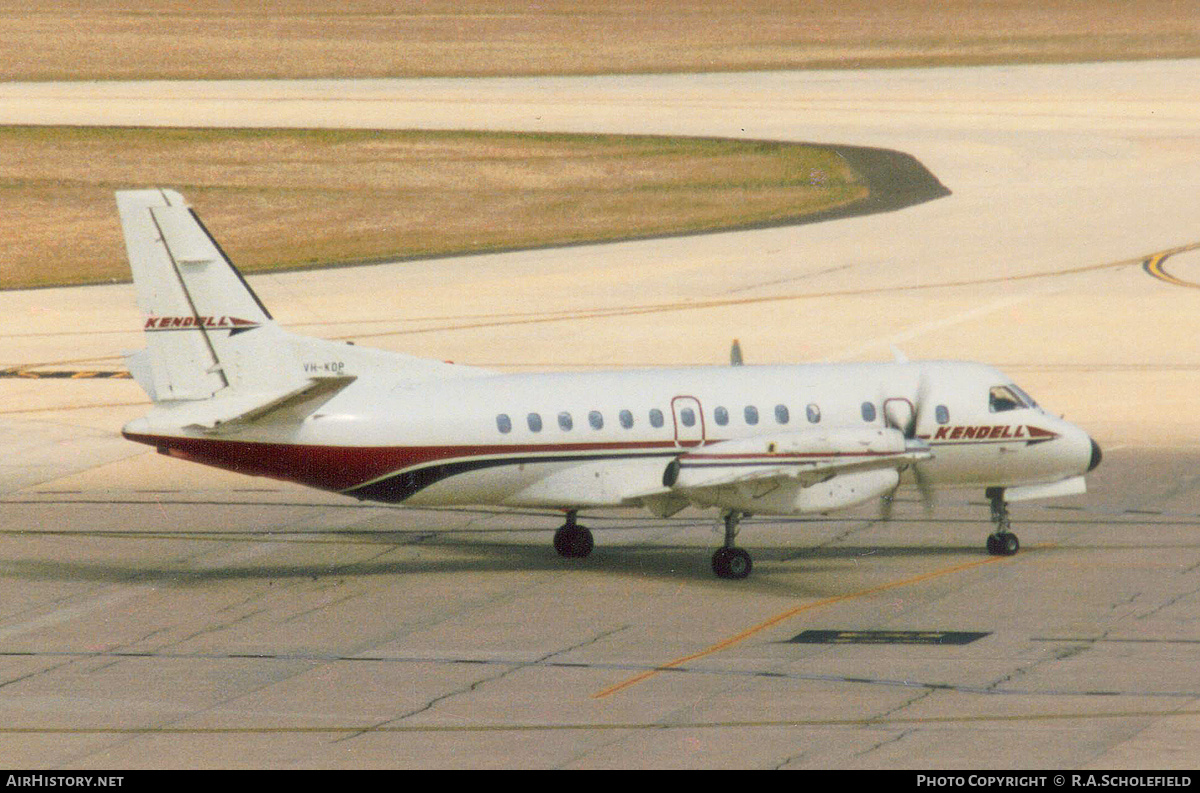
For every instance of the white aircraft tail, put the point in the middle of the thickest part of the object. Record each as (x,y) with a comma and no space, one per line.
(213,353)
(197,305)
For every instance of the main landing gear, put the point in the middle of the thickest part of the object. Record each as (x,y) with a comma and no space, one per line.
(571,540)
(1001,542)
(731,562)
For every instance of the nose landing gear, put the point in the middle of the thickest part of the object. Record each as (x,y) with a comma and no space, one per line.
(1001,542)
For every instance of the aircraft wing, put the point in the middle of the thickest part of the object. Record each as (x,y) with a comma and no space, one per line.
(811,471)
(806,457)
(599,483)
(845,463)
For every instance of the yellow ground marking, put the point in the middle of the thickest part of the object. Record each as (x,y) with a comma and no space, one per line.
(143,402)
(481,321)
(91,374)
(1154,266)
(778,618)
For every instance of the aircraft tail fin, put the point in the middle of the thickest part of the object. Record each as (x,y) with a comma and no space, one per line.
(197,304)
(209,339)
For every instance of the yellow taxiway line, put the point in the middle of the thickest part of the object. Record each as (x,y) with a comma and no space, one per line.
(778,618)
(1154,266)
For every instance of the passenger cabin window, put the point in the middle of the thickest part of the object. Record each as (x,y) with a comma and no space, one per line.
(781,414)
(814,413)
(751,414)
(868,411)
(656,417)
(687,417)
(942,414)
(535,422)
(504,423)
(564,421)
(721,415)
(596,420)
(626,419)
(1002,398)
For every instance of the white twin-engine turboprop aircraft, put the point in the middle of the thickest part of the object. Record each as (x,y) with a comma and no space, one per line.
(234,390)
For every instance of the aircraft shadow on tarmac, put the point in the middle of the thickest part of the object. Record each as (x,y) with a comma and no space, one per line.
(779,565)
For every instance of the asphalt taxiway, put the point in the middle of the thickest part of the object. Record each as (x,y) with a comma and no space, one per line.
(158,614)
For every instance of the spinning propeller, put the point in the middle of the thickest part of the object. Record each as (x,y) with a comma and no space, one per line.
(902,414)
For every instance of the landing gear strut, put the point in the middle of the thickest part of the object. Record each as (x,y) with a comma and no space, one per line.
(731,562)
(1001,542)
(571,540)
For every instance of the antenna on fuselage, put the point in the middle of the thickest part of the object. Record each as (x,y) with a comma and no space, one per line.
(735,354)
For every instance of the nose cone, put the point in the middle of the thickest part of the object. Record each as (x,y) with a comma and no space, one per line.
(1096,456)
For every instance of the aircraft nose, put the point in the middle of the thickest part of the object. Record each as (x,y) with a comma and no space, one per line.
(1096,456)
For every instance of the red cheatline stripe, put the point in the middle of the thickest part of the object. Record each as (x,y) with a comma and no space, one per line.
(346,467)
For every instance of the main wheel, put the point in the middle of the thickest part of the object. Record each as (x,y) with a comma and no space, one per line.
(573,542)
(731,563)
(1003,544)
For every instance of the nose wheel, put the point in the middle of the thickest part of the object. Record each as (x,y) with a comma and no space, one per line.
(572,540)
(729,561)
(1001,542)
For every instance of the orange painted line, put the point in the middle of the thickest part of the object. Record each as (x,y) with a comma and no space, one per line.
(778,618)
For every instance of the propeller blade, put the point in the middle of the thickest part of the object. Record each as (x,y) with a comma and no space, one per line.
(886,501)
(924,487)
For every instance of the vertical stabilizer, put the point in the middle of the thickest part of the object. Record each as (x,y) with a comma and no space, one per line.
(196,302)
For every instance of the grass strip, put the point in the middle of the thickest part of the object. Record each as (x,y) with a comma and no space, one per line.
(303,198)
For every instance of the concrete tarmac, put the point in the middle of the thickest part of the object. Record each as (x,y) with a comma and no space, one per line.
(156,614)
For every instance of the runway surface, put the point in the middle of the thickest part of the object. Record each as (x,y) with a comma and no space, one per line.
(158,614)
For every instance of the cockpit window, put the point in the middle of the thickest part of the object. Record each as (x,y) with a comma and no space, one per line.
(1002,398)
(1021,393)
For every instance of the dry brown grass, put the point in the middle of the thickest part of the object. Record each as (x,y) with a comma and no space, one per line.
(287,198)
(295,198)
(104,39)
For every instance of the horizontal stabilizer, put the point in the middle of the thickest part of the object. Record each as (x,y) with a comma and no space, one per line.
(227,413)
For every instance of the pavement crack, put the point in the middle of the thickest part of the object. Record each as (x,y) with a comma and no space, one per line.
(896,738)
(475,685)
